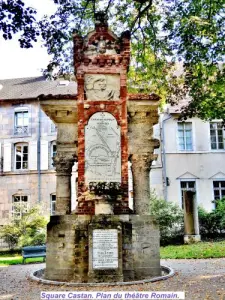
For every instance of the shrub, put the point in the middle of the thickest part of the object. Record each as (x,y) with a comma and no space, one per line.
(170,218)
(212,224)
(28,230)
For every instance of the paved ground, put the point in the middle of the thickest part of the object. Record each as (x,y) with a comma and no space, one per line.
(200,279)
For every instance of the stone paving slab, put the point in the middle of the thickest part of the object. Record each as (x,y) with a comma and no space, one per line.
(200,279)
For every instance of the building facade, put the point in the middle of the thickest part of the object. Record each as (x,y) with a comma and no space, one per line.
(191,157)
(27,146)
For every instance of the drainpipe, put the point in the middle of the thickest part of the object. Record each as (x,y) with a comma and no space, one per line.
(39,152)
(165,190)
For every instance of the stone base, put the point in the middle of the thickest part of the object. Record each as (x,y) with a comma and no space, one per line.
(69,248)
(145,246)
(110,268)
(191,239)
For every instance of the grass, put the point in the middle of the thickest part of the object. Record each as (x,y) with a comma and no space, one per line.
(16,259)
(199,250)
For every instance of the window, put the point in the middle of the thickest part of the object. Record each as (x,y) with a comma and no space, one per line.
(53,152)
(186,186)
(52,204)
(20,205)
(21,122)
(219,189)
(185,136)
(53,128)
(21,156)
(216,136)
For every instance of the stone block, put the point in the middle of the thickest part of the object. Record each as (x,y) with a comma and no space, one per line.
(145,245)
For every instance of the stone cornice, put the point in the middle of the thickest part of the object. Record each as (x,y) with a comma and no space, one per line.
(56,97)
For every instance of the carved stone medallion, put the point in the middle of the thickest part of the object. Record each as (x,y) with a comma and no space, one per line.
(102,87)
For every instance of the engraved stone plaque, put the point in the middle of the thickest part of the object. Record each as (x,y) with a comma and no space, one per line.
(102,149)
(105,249)
(102,87)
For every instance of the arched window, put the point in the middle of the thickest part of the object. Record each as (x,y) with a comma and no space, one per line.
(21,156)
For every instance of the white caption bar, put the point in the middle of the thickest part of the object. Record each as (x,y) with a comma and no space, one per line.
(113,295)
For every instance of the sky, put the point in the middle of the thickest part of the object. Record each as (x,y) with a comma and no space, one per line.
(16,62)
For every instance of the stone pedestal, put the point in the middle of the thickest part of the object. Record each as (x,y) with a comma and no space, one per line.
(67,248)
(146,246)
(76,251)
(105,249)
(191,224)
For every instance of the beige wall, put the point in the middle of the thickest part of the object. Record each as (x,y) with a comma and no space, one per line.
(202,165)
(25,182)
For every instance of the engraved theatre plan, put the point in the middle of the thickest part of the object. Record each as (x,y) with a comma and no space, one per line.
(102,148)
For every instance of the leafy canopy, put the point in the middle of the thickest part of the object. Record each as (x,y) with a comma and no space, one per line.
(163,33)
(28,230)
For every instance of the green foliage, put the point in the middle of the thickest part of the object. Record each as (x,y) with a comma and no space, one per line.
(212,224)
(170,218)
(15,17)
(28,230)
(163,33)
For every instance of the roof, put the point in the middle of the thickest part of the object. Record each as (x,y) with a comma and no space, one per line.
(32,87)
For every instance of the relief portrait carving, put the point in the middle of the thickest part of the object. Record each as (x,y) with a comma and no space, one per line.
(102,87)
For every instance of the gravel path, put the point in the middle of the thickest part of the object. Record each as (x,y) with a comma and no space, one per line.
(200,279)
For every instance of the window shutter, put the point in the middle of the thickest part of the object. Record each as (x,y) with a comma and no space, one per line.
(44,155)
(7,159)
(33,155)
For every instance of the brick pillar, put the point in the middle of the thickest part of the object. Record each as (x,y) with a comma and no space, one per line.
(63,163)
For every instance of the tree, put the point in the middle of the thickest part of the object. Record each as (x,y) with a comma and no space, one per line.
(15,17)
(163,32)
(28,230)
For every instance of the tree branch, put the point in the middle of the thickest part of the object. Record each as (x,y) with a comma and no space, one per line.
(140,14)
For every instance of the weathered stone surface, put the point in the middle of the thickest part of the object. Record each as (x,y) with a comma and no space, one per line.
(141,165)
(113,269)
(102,87)
(63,162)
(70,248)
(142,116)
(145,244)
(67,248)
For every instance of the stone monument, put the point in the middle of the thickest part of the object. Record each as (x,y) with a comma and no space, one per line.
(102,127)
